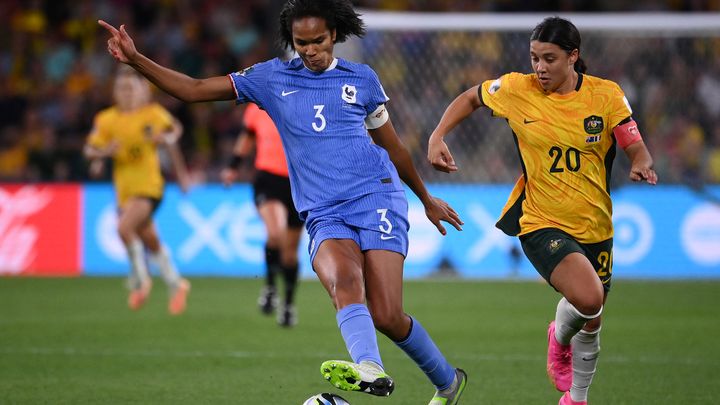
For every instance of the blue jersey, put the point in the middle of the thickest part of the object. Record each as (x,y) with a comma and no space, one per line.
(321,120)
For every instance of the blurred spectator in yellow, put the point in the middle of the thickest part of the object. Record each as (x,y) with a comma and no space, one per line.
(713,161)
(13,154)
(688,165)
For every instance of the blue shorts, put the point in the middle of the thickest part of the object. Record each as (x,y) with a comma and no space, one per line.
(375,221)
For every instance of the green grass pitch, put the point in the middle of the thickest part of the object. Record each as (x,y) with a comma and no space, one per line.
(73,341)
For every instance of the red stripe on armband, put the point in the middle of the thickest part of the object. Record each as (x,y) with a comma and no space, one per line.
(627,134)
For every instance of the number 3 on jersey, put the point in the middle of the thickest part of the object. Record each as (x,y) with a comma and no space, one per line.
(387,227)
(319,116)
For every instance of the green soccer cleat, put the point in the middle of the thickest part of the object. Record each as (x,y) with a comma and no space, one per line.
(364,377)
(451,396)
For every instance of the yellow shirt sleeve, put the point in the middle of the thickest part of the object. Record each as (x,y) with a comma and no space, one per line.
(99,136)
(619,106)
(497,94)
(163,116)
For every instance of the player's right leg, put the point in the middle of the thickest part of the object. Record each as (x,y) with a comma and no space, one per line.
(561,260)
(133,214)
(582,301)
(287,316)
(338,263)
(273,215)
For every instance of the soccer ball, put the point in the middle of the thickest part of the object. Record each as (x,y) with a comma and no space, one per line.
(326,398)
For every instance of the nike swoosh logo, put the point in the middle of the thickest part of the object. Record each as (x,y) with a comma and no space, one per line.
(527,121)
(590,358)
(287,93)
(386,237)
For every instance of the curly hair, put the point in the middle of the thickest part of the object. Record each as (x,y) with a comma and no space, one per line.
(339,15)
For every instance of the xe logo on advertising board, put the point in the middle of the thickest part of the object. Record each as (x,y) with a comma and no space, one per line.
(669,232)
(39,230)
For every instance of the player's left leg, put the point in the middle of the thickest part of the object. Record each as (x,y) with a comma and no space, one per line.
(586,343)
(133,213)
(586,348)
(383,280)
(178,287)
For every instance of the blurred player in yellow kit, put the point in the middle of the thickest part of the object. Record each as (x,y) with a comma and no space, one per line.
(130,132)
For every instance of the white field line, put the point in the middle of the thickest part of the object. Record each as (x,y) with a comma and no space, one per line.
(466,357)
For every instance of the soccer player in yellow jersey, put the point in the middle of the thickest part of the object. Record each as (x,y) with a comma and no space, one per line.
(566,125)
(129,132)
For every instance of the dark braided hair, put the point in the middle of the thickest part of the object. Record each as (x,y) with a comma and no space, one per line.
(339,15)
(562,33)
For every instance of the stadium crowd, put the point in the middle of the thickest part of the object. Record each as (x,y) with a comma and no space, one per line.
(55,75)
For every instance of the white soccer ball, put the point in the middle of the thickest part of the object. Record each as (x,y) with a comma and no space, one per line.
(326,398)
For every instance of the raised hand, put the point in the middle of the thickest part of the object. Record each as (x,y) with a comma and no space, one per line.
(438,210)
(120,45)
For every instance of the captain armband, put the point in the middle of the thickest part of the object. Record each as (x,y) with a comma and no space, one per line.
(377,118)
(627,133)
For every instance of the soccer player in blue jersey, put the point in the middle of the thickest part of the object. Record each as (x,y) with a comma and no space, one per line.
(345,184)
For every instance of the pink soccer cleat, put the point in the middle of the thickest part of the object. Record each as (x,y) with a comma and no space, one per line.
(567,400)
(559,362)
(178,301)
(138,296)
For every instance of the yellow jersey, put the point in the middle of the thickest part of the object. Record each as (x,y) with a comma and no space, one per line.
(567,147)
(136,165)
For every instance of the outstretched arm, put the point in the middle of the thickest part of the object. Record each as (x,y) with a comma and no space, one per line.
(463,105)
(185,88)
(436,209)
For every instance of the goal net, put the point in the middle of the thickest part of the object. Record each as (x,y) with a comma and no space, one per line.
(667,64)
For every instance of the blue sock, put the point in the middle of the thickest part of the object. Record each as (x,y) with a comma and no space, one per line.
(420,347)
(358,331)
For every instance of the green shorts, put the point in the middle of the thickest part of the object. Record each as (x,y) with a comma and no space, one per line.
(545,248)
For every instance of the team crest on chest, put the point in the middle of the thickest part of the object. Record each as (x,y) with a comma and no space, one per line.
(349,93)
(594,124)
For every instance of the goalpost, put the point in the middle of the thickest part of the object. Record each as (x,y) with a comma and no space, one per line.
(667,64)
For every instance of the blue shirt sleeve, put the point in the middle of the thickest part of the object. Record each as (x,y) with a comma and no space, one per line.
(250,84)
(377,94)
